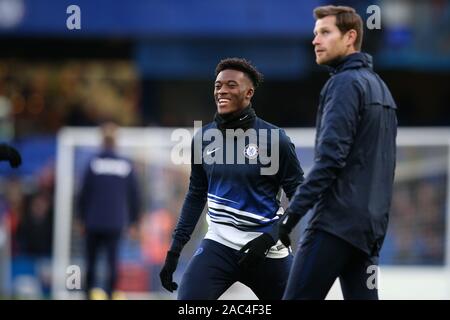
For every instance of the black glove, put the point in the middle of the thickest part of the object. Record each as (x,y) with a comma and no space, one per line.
(285,226)
(10,154)
(257,250)
(167,271)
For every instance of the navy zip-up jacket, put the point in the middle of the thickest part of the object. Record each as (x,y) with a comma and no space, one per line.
(109,199)
(242,203)
(350,184)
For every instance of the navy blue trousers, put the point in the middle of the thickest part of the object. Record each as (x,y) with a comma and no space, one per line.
(214,268)
(322,258)
(94,243)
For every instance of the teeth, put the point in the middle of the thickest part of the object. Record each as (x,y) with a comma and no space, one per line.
(223,100)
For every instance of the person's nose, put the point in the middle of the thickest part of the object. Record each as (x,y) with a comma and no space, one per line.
(316,41)
(222,90)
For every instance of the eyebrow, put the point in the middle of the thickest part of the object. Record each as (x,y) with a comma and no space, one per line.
(229,81)
(320,29)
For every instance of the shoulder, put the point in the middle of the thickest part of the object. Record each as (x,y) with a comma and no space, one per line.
(345,82)
(203,129)
(211,125)
(354,76)
(116,156)
(262,124)
(208,127)
(273,129)
(124,159)
(345,78)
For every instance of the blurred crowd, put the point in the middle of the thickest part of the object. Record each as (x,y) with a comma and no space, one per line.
(26,215)
(40,98)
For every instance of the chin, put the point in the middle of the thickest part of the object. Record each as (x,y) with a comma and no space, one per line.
(224,110)
(321,62)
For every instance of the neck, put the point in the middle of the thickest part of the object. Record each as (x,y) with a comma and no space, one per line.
(242,118)
(350,51)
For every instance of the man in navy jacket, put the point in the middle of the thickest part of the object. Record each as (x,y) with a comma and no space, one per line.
(350,184)
(109,201)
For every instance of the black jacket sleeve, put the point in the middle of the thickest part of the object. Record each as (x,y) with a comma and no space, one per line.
(339,121)
(193,204)
(290,173)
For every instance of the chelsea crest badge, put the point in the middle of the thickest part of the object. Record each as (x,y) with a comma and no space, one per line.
(251,151)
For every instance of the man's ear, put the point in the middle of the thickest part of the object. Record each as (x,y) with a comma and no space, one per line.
(250,93)
(351,37)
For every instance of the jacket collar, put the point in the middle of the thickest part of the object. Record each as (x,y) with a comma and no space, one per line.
(352,61)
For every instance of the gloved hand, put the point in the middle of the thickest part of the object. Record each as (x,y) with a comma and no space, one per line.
(257,251)
(166,274)
(287,222)
(10,154)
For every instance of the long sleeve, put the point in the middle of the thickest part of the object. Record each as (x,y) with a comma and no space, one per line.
(338,125)
(193,205)
(290,173)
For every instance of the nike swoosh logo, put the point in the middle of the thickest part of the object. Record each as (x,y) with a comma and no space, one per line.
(208,152)
(243,117)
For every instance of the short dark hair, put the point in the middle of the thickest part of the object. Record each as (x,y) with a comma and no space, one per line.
(346,19)
(240,64)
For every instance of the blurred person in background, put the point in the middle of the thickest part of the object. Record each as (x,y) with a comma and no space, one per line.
(109,201)
(12,216)
(350,185)
(35,235)
(35,229)
(243,203)
(10,154)
(14,207)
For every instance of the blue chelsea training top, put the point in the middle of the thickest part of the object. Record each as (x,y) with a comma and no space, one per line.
(240,177)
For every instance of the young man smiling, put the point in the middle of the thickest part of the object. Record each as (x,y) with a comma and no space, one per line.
(350,184)
(243,203)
